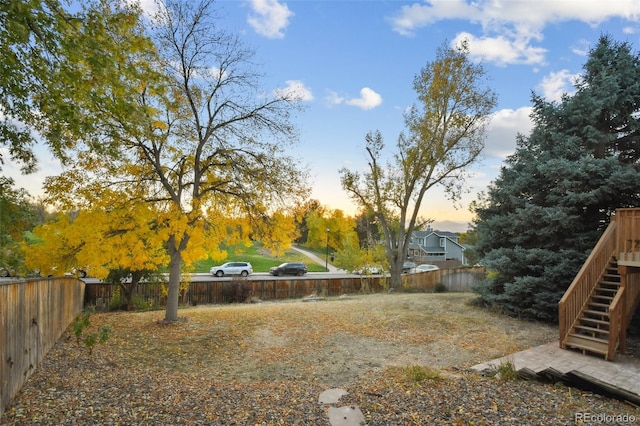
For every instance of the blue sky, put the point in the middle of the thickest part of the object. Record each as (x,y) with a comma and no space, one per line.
(353,63)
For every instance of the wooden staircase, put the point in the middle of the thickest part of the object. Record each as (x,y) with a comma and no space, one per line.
(590,333)
(595,311)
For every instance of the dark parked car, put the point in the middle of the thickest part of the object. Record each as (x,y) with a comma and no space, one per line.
(290,268)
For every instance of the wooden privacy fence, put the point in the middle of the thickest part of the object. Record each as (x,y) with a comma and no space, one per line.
(461,279)
(33,315)
(221,291)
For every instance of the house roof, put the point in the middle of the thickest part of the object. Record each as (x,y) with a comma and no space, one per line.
(451,236)
(445,234)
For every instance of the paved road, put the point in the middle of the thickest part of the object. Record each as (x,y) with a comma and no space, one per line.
(263,276)
(204,276)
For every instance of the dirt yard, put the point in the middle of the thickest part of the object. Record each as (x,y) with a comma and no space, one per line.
(332,341)
(266,363)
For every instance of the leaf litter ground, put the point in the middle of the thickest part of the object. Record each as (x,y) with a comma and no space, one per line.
(267,363)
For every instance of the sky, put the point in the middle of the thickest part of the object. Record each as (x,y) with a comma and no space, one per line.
(353,64)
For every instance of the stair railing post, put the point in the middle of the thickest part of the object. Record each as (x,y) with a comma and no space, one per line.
(623,271)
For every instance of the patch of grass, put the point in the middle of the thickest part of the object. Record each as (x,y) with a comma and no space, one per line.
(260,259)
(418,373)
(506,370)
(413,374)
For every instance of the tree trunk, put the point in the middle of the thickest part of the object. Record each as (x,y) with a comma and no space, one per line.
(395,277)
(128,292)
(396,258)
(175,266)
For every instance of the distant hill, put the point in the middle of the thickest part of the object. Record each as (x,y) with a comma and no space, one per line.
(450,225)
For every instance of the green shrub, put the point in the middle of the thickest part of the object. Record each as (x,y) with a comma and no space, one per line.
(142,304)
(117,300)
(80,325)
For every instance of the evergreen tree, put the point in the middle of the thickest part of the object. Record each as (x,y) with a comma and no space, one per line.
(555,195)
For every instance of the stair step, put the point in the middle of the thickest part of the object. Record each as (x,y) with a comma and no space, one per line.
(593,321)
(607,290)
(608,282)
(598,305)
(602,297)
(592,329)
(601,314)
(586,343)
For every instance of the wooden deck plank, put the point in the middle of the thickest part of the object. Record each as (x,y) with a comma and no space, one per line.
(618,379)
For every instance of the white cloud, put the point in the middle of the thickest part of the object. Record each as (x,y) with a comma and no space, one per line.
(368,99)
(520,15)
(554,85)
(215,73)
(295,90)
(417,15)
(502,50)
(269,17)
(501,133)
(148,7)
(333,98)
(513,25)
(581,48)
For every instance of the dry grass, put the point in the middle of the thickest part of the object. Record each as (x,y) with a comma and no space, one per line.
(333,341)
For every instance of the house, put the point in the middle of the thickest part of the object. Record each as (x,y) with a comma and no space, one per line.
(435,246)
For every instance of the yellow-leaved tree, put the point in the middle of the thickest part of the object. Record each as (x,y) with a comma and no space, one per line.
(282,231)
(123,241)
(204,144)
(330,228)
(110,238)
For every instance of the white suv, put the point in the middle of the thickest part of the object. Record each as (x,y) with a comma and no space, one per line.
(232,268)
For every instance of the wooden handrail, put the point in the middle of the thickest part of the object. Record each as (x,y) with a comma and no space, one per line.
(628,235)
(616,322)
(578,293)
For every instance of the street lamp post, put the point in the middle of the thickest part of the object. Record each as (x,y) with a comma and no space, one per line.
(326,257)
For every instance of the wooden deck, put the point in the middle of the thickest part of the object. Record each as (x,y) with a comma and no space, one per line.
(617,379)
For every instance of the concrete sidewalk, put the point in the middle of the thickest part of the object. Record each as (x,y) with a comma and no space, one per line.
(317,259)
